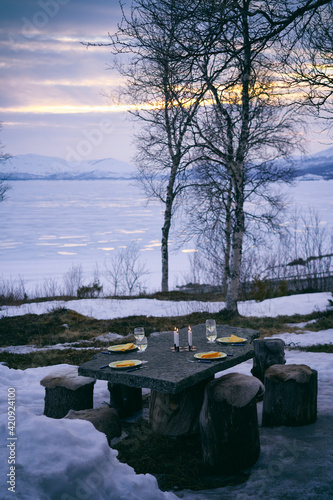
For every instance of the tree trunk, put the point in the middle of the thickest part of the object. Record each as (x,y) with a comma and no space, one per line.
(228,226)
(237,245)
(267,352)
(229,423)
(165,252)
(177,414)
(290,396)
(59,400)
(170,195)
(237,174)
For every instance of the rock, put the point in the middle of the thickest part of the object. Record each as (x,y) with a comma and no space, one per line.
(104,420)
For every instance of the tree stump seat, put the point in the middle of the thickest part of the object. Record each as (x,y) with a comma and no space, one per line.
(229,423)
(267,352)
(290,397)
(66,390)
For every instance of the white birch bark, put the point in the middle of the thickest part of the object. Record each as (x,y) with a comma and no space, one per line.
(236,250)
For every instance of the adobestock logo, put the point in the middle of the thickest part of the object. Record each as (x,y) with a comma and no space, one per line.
(48,10)
(93,138)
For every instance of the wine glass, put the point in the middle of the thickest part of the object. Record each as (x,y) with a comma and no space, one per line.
(142,344)
(211,333)
(139,333)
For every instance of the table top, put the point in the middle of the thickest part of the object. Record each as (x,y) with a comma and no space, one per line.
(168,371)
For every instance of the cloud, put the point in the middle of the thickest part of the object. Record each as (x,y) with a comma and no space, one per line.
(53,87)
(59,16)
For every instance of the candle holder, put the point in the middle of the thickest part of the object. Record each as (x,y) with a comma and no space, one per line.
(176,348)
(190,348)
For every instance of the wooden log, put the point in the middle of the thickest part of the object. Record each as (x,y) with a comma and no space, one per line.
(177,414)
(126,400)
(65,391)
(267,352)
(290,396)
(229,423)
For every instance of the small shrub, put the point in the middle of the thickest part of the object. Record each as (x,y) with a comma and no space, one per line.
(283,288)
(90,291)
(261,289)
(330,301)
(12,292)
(73,279)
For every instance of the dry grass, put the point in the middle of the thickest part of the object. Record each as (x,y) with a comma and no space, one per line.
(46,358)
(63,325)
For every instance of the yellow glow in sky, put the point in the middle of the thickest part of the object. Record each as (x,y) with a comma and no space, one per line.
(67,109)
(70,109)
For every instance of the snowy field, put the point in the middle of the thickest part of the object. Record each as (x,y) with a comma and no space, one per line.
(49,226)
(117,308)
(71,460)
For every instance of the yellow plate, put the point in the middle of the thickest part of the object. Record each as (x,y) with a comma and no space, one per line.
(117,348)
(226,340)
(220,355)
(136,362)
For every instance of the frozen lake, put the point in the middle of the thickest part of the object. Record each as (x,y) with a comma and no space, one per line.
(47,226)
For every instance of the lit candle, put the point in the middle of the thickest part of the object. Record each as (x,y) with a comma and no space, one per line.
(189,336)
(176,337)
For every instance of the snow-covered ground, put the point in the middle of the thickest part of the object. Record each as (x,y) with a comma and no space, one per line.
(117,308)
(69,459)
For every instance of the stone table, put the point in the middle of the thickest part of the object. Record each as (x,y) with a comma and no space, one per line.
(168,374)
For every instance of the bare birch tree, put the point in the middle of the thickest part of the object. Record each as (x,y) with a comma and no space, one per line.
(125,271)
(164,95)
(219,57)
(240,39)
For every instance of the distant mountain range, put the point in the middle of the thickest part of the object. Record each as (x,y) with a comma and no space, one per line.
(317,166)
(36,167)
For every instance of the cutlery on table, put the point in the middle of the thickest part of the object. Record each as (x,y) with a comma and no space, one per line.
(134,368)
(199,361)
(206,360)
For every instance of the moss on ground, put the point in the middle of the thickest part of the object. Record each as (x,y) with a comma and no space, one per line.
(46,358)
(64,325)
(316,348)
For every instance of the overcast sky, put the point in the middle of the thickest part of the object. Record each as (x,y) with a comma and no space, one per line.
(53,89)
